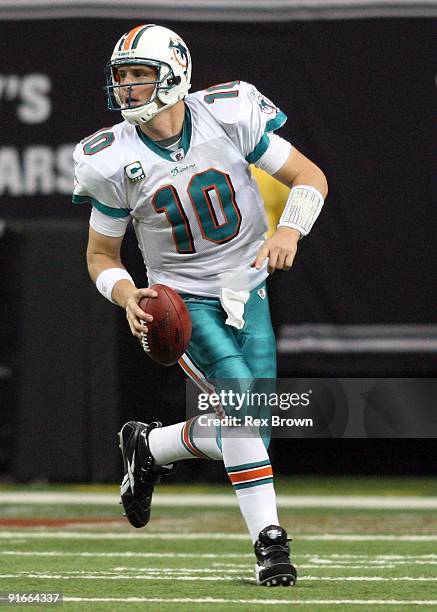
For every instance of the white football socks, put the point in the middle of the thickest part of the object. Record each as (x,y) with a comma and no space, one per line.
(246,460)
(258,507)
(248,465)
(166,446)
(184,440)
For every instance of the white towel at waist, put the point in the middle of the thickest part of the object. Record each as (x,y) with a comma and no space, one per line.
(233,303)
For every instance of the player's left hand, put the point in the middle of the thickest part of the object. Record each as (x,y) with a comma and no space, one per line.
(280,250)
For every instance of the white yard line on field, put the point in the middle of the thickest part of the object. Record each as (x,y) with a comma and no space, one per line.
(257,602)
(227,500)
(430,558)
(369,564)
(43,533)
(305,561)
(343,537)
(146,555)
(192,575)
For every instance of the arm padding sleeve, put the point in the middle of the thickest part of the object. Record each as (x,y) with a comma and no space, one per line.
(114,227)
(275,156)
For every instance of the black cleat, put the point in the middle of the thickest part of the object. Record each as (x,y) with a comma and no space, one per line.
(273,566)
(140,472)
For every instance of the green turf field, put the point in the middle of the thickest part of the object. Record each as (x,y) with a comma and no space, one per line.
(382,557)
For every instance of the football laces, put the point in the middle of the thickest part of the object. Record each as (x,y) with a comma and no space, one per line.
(144,341)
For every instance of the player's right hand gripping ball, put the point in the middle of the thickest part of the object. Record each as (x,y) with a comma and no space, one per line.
(169,333)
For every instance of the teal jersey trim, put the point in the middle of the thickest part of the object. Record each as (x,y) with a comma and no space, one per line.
(161,151)
(259,150)
(263,145)
(107,210)
(276,122)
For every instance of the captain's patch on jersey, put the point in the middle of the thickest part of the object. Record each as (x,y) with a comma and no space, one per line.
(135,172)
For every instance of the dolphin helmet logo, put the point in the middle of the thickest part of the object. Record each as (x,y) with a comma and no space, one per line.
(180,53)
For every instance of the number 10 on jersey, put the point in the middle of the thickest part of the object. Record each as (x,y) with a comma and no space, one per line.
(200,188)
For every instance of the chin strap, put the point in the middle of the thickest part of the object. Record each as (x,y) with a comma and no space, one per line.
(137,116)
(143,114)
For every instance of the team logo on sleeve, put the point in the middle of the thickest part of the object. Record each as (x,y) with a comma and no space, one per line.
(135,172)
(266,105)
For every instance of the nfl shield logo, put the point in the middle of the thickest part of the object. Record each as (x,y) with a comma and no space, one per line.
(262,293)
(178,155)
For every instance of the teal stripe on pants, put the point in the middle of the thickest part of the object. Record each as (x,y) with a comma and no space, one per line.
(234,358)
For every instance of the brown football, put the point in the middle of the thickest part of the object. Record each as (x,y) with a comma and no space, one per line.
(169,333)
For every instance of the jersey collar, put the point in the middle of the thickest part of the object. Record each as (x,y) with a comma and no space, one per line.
(166,153)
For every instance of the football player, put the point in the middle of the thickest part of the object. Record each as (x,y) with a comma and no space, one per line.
(177,166)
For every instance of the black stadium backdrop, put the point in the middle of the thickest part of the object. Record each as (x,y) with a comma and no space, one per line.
(361,298)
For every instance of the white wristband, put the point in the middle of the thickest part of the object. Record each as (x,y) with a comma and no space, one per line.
(106,280)
(302,208)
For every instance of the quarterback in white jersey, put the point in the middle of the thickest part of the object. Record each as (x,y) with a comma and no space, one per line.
(187,203)
(178,166)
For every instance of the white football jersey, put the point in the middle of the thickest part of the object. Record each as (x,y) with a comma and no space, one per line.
(197,212)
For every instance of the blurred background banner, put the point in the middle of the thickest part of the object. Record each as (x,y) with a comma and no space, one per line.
(218,10)
(358,83)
